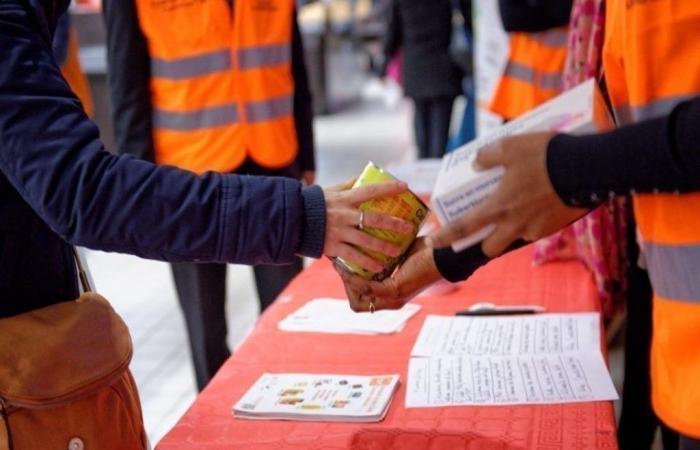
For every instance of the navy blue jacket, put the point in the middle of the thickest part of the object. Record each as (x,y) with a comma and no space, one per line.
(58,185)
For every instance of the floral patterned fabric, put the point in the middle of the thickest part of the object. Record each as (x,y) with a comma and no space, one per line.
(599,239)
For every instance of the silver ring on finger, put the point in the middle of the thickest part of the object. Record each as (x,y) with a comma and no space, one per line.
(361,222)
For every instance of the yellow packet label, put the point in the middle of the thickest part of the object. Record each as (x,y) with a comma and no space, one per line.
(406,206)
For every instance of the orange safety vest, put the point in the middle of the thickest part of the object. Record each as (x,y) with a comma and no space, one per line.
(533,73)
(651,60)
(221,82)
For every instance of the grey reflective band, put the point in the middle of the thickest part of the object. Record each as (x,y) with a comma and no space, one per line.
(192,66)
(626,114)
(554,38)
(269,109)
(194,120)
(264,56)
(674,270)
(549,80)
(623,114)
(220,60)
(528,75)
(260,111)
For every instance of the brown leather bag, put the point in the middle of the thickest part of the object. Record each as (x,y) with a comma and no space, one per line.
(65,380)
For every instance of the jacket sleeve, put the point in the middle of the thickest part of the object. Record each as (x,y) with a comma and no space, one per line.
(129,77)
(51,154)
(657,155)
(303,107)
(60,39)
(458,266)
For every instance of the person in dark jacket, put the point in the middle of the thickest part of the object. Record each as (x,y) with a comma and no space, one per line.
(534,15)
(201,288)
(422,30)
(58,186)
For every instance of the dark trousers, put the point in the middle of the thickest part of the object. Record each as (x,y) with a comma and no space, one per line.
(432,125)
(638,422)
(201,290)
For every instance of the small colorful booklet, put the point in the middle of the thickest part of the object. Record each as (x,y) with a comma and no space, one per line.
(321,398)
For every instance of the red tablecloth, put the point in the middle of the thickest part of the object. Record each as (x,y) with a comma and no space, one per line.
(209,423)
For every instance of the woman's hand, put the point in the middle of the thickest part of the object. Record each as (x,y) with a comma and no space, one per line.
(524,205)
(415,274)
(343,220)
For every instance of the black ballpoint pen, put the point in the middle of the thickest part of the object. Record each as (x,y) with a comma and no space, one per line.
(490,309)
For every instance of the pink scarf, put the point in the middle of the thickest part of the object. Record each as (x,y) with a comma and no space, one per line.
(599,239)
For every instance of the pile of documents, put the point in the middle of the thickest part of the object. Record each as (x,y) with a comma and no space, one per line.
(459,187)
(545,358)
(327,398)
(327,315)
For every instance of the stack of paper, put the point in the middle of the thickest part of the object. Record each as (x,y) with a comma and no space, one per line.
(328,398)
(459,187)
(327,315)
(420,174)
(547,358)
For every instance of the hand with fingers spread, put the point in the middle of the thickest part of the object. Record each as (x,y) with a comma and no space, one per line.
(344,220)
(524,205)
(415,274)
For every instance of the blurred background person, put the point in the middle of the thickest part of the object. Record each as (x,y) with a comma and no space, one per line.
(538,43)
(422,31)
(206,87)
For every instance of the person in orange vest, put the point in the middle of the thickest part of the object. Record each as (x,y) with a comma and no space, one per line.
(652,72)
(538,43)
(212,86)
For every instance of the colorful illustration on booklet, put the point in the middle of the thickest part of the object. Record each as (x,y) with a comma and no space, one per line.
(380,381)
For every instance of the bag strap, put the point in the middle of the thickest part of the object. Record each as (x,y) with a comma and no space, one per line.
(83,271)
(603,85)
(6,420)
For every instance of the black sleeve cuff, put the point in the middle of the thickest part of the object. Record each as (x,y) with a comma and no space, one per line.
(455,266)
(314,228)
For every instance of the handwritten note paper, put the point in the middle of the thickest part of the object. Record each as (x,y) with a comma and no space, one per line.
(511,335)
(548,358)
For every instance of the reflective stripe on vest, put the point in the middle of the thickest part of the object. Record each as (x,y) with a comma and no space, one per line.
(191,66)
(529,75)
(222,86)
(270,55)
(255,112)
(674,270)
(220,60)
(556,38)
(651,63)
(626,114)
